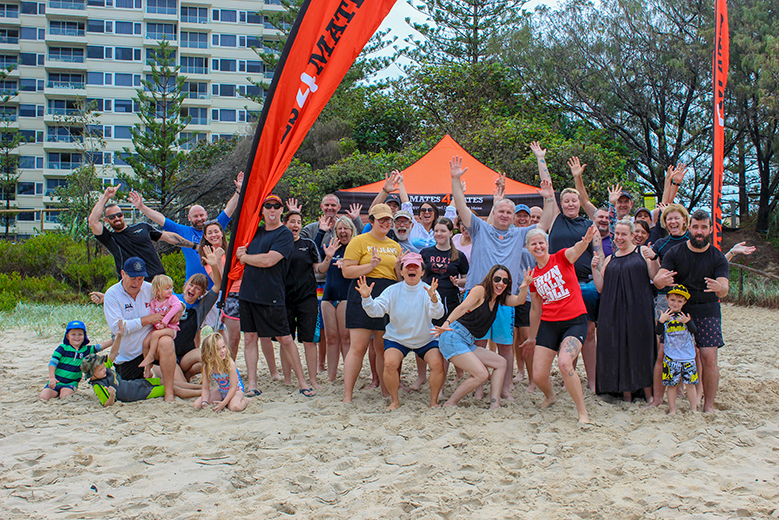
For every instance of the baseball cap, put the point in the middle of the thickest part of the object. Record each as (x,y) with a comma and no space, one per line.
(135,267)
(521,207)
(681,290)
(380,211)
(75,325)
(403,213)
(392,197)
(644,210)
(273,198)
(626,194)
(412,259)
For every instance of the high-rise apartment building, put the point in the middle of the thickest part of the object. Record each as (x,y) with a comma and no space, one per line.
(66,50)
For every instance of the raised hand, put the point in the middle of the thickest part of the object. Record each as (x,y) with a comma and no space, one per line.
(462,184)
(110,191)
(238,181)
(742,249)
(661,206)
(375,258)
(577,168)
(326,223)
(712,285)
(135,199)
(363,288)
(292,204)
(437,330)
(210,255)
(684,318)
(587,238)
(539,152)
(665,316)
(500,182)
(120,328)
(354,211)
(455,280)
(498,194)
(665,279)
(391,181)
(400,257)
(615,192)
(97,297)
(546,191)
(456,167)
(431,290)
(527,277)
(679,173)
(331,249)
(595,261)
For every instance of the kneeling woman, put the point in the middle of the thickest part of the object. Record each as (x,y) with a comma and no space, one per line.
(472,319)
(558,317)
(412,306)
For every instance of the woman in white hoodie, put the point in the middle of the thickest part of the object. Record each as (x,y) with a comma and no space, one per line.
(412,306)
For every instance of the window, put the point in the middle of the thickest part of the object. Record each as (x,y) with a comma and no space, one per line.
(194,40)
(94,78)
(9,11)
(66,54)
(64,134)
(67,4)
(161,6)
(125,4)
(194,65)
(65,28)
(153,58)
(95,52)
(28,216)
(227,115)
(123,80)
(228,15)
(122,132)
(253,41)
(95,104)
(196,90)
(255,66)
(29,7)
(28,33)
(66,80)
(28,59)
(8,61)
(27,162)
(228,40)
(62,107)
(199,115)
(254,18)
(125,53)
(7,87)
(190,139)
(123,106)
(227,90)
(25,188)
(96,3)
(161,31)
(27,111)
(194,14)
(61,161)
(227,65)
(123,28)
(95,26)
(9,35)
(28,85)
(254,92)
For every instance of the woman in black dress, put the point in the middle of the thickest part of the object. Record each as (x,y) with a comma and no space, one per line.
(626,340)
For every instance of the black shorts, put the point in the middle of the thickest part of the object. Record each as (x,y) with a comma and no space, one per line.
(522,315)
(302,318)
(266,321)
(356,318)
(130,369)
(552,333)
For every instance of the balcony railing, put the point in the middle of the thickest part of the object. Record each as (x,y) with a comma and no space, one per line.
(193,69)
(66,32)
(161,36)
(9,39)
(194,19)
(155,9)
(62,165)
(63,111)
(194,45)
(69,59)
(65,138)
(9,14)
(199,121)
(198,95)
(64,84)
(78,5)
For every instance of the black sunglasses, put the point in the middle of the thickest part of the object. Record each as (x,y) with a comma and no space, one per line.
(425,210)
(269,205)
(497,279)
(115,216)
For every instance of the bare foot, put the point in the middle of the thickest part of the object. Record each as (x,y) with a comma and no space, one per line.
(147,373)
(320,368)
(374,384)
(671,412)
(548,401)
(393,405)
(584,418)
(507,396)
(418,383)
(494,404)
(654,404)
(347,400)
(288,382)
(331,380)
(450,405)
(276,377)
(314,385)
(146,362)
(530,388)
(519,377)
(479,392)
(404,388)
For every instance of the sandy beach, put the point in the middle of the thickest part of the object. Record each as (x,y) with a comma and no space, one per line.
(290,456)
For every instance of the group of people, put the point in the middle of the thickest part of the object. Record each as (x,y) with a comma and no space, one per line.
(637,297)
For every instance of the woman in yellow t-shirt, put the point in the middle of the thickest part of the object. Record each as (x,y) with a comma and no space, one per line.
(374,256)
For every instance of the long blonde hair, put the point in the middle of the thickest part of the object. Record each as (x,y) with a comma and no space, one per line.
(158,283)
(209,357)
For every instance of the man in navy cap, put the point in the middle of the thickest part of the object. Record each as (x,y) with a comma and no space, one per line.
(128,301)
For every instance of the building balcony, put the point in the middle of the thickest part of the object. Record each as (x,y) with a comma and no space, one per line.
(198,21)
(65,63)
(66,36)
(152,40)
(161,14)
(197,99)
(187,69)
(7,21)
(69,8)
(64,88)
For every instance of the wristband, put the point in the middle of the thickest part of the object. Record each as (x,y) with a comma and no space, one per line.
(548,199)
(194,247)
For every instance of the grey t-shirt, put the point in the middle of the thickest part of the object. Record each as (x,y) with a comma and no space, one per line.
(492,246)
(407,246)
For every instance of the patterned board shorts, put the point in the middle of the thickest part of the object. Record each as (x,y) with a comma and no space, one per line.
(676,371)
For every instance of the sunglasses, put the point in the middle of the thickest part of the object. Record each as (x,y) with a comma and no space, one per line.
(271,205)
(497,279)
(115,216)
(426,210)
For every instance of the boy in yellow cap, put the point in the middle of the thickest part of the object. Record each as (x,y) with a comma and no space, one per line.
(679,359)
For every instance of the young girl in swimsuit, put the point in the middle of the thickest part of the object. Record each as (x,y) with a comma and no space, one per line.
(222,384)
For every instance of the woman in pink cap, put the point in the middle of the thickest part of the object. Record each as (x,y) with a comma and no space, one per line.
(412,306)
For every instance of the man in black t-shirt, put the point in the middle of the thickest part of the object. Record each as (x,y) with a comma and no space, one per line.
(124,241)
(262,296)
(703,269)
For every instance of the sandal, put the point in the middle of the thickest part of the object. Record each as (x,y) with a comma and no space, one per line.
(308,392)
(253,393)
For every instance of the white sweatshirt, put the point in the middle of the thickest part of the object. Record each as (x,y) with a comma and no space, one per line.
(411,313)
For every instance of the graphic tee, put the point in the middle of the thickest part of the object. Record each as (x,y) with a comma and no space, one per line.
(360,247)
(558,287)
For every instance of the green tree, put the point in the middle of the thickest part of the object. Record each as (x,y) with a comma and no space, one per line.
(460,31)
(156,158)
(10,140)
(640,69)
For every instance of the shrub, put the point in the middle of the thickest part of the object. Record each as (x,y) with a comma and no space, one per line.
(16,289)
(175,266)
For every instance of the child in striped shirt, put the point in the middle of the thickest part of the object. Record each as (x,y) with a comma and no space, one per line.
(65,364)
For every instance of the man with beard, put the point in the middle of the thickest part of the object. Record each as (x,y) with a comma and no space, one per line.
(197,217)
(602,222)
(703,269)
(403,224)
(124,241)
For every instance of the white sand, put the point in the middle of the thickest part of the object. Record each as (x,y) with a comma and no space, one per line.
(318,458)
